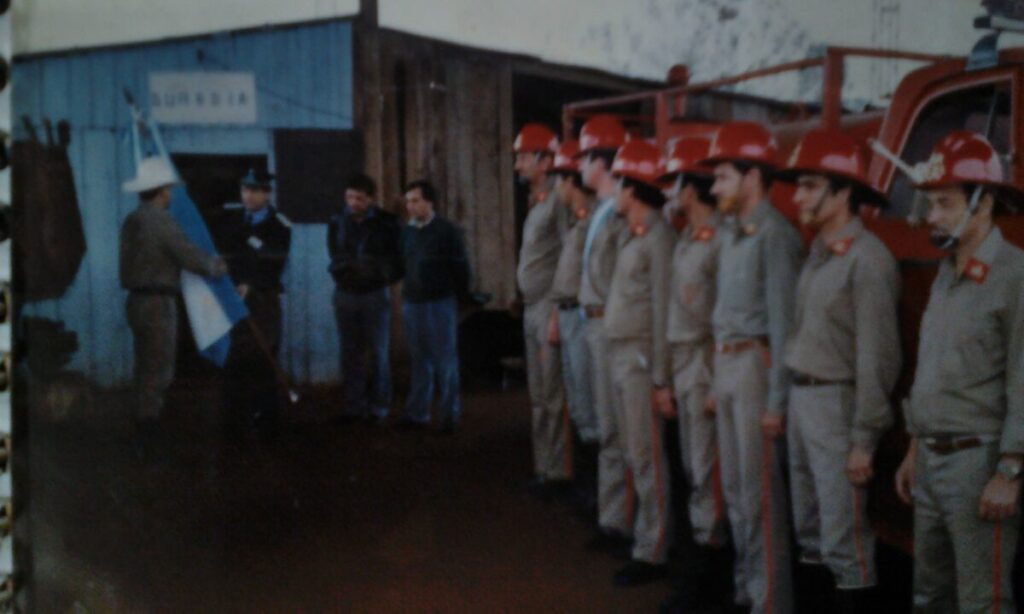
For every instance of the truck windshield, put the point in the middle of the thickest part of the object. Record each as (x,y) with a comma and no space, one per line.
(984,109)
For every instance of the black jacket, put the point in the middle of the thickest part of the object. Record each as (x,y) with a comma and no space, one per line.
(366,255)
(256,255)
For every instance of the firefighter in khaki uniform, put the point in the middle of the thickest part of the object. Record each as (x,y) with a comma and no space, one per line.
(635,324)
(758,263)
(600,138)
(153,252)
(566,328)
(691,299)
(966,407)
(845,358)
(545,225)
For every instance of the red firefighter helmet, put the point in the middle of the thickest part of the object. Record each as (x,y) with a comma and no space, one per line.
(565,157)
(743,141)
(601,132)
(831,153)
(963,157)
(686,158)
(535,138)
(640,161)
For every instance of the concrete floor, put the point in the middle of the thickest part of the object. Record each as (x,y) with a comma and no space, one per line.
(334,518)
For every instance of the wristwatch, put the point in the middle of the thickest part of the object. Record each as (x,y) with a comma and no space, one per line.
(1009,469)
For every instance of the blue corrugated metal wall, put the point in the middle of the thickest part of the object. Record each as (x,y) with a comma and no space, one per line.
(304,80)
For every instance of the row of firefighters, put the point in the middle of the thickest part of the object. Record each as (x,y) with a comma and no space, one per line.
(769,355)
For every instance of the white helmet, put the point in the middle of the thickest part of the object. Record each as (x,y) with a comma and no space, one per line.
(153,172)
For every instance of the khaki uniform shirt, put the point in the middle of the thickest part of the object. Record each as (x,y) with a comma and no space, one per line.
(758,264)
(970,366)
(846,324)
(545,225)
(569,272)
(637,306)
(694,266)
(154,250)
(599,264)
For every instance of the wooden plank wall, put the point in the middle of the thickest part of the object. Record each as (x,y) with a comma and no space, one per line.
(457,117)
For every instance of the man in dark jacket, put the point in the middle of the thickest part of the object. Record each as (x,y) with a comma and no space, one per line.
(363,241)
(437,275)
(255,239)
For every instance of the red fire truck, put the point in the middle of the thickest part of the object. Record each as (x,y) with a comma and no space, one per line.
(983,93)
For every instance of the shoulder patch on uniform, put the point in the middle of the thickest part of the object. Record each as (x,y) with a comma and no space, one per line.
(232,206)
(976,271)
(284,219)
(840,247)
(704,234)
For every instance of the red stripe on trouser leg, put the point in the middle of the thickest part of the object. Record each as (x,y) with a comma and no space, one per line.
(766,525)
(997,567)
(658,485)
(861,562)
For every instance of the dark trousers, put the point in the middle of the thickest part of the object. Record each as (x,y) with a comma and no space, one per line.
(364,322)
(153,319)
(250,386)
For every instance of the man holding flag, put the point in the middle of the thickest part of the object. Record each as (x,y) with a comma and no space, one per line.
(154,250)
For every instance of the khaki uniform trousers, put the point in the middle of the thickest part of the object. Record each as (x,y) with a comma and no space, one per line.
(153,319)
(961,562)
(752,482)
(615,509)
(698,442)
(829,513)
(551,434)
(643,443)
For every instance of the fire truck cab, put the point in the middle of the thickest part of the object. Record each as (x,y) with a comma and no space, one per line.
(983,93)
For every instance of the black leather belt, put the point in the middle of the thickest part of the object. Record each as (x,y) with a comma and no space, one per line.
(804,380)
(567,305)
(155,291)
(947,444)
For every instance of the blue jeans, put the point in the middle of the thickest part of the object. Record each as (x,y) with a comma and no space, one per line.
(431,331)
(364,322)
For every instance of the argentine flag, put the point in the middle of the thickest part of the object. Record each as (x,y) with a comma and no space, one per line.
(213,305)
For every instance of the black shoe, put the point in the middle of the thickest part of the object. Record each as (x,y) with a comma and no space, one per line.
(610,542)
(406,424)
(853,601)
(638,573)
(548,490)
(685,599)
(379,421)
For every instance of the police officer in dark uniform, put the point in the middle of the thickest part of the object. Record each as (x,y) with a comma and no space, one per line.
(255,239)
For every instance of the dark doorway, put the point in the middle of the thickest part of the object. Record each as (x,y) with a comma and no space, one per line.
(212,182)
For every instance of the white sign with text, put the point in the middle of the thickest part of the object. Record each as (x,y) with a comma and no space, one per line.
(203,97)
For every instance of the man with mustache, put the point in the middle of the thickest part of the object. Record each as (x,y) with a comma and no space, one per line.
(966,411)
(753,316)
(845,358)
